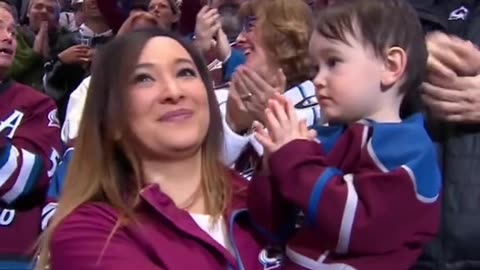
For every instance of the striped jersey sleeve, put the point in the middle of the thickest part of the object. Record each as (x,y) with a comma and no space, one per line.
(55,188)
(30,148)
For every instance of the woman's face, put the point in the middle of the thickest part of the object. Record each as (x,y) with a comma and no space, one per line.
(249,41)
(168,111)
(163,11)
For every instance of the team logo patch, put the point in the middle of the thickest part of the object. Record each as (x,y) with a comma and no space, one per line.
(53,119)
(460,13)
(307,102)
(271,258)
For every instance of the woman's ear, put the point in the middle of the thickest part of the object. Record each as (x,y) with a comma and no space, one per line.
(395,62)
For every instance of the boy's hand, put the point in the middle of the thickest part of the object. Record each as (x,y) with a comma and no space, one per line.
(282,125)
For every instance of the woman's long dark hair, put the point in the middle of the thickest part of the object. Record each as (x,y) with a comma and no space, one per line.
(103,166)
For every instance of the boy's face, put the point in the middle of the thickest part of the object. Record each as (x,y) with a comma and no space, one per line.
(348,79)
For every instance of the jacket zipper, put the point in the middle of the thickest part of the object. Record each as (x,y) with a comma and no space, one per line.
(232,238)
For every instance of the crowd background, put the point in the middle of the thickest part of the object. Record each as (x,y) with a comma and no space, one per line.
(47,48)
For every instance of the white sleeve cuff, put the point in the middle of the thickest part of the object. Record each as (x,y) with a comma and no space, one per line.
(233,144)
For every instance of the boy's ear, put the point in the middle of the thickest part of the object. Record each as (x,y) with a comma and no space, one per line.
(395,63)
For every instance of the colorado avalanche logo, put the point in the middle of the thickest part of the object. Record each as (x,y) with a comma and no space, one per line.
(270,258)
(307,102)
(52,119)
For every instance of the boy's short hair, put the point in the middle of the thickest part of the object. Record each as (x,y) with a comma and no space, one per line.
(379,24)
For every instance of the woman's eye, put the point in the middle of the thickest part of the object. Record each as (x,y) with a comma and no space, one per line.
(140,78)
(186,72)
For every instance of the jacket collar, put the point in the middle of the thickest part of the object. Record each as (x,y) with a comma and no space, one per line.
(153,197)
(5,85)
(86,31)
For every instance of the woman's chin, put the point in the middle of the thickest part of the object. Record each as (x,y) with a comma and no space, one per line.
(184,146)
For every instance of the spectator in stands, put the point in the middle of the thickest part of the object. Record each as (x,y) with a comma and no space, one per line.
(166,11)
(212,41)
(73,18)
(147,190)
(30,148)
(275,41)
(36,42)
(75,51)
(451,95)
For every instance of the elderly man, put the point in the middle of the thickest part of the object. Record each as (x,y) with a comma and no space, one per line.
(30,147)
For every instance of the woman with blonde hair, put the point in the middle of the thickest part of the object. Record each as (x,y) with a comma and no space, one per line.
(146,188)
(275,40)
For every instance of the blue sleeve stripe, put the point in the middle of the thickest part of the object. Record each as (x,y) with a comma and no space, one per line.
(59,178)
(317,192)
(34,177)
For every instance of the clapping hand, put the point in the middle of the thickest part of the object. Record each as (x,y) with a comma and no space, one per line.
(451,90)
(282,126)
(255,90)
(207,26)
(41,43)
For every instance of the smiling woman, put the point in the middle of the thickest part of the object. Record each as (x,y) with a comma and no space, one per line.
(275,39)
(146,178)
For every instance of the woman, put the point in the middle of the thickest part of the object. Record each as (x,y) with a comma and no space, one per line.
(275,37)
(166,11)
(146,188)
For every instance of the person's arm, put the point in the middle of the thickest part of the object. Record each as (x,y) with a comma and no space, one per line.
(65,70)
(234,143)
(29,157)
(388,193)
(74,112)
(236,59)
(25,60)
(450,90)
(272,214)
(55,188)
(84,241)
